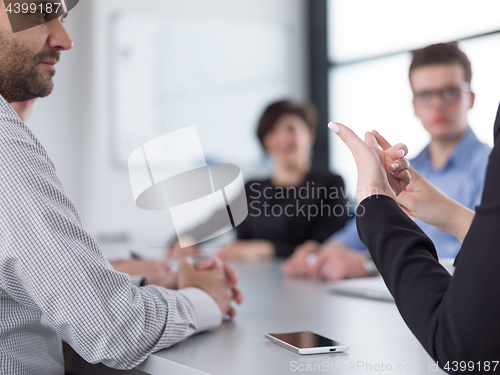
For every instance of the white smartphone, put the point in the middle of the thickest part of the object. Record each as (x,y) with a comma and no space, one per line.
(306,342)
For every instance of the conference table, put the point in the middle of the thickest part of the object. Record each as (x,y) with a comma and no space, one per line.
(379,341)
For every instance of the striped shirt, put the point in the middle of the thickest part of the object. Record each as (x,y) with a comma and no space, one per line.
(55,283)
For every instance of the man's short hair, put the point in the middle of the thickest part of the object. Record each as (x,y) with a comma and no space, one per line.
(442,53)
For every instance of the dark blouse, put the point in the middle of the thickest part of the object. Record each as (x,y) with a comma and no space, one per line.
(455,318)
(289,216)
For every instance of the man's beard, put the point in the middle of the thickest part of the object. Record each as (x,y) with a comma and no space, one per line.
(20,79)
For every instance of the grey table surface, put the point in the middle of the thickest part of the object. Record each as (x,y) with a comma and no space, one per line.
(379,340)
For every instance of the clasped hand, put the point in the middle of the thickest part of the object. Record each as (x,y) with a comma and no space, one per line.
(210,275)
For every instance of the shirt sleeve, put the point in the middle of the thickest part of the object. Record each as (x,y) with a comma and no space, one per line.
(479,168)
(455,318)
(50,265)
(349,236)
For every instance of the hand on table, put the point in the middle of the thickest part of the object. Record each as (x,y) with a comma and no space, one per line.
(297,265)
(176,251)
(336,261)
(247,250)
(215,278)
(330,261)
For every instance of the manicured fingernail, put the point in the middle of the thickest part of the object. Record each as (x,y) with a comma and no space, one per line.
(334,127)
(394,166)
(402,152)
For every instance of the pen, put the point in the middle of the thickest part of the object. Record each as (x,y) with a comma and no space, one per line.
(135,256)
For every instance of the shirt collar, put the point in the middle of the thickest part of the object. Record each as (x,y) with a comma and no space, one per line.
(422,159)
(3,103)
(6,107)
(458,156)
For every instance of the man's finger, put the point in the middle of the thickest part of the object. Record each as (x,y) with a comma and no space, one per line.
(226,254)
(226,250)
(232,312)
(284,267)
(309,245)
(313,270)
(205,264)
(238,295)
(186,264)
(218,262)
(165,265)
(231,273)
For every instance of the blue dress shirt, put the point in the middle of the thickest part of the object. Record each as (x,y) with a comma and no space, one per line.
(461,178)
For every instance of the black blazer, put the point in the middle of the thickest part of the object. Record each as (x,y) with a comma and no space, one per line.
(290,216)
(455,318)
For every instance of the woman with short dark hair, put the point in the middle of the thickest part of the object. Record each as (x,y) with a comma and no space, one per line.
(298,203)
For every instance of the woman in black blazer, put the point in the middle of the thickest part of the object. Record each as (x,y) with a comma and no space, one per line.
(299,203)
(456,319)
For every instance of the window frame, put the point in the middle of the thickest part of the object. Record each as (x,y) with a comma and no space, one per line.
(321,67)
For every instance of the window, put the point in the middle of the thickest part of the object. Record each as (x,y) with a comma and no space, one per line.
(370,47)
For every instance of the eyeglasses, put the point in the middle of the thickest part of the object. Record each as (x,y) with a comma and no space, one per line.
(447,95)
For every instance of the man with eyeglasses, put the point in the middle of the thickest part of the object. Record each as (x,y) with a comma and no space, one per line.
(454,161)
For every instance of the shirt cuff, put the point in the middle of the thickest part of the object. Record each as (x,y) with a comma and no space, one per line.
(208,313)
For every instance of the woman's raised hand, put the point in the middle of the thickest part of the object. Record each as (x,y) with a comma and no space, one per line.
(380,171)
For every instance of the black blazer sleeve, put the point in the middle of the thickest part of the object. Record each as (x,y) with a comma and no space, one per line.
(455,318)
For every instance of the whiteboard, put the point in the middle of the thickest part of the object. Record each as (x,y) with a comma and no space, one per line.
(168,74)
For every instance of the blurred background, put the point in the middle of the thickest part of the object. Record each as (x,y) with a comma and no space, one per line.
(141,69)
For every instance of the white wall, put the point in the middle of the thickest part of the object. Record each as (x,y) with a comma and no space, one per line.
(73,123)
(61,120)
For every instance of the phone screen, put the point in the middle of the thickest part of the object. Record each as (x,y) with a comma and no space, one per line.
(305,339)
